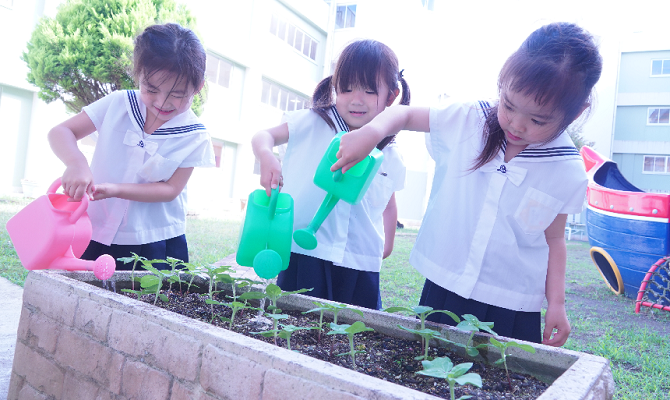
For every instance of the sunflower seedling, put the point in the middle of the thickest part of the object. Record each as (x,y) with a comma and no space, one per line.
(443,368)
(285,332)
(503,353)
(334,308)
(350,331)
(473,324)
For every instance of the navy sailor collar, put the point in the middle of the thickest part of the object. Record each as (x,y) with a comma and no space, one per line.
(339,121)
(561,148)
(181,125)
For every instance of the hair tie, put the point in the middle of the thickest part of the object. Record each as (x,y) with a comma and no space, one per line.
(400,73)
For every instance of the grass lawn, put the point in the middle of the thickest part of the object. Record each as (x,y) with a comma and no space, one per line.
(602,324)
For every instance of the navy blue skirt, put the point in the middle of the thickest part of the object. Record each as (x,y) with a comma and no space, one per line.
(331,282)
(512,324)
(161,250)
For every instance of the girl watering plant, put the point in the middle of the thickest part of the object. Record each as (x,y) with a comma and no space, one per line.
(148,143)
(507,174)
(353,239)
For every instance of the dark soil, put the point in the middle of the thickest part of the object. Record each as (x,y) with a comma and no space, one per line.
(385,357)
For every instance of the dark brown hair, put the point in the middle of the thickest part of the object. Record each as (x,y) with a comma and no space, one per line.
(557,65)
(170,48)
(362,63)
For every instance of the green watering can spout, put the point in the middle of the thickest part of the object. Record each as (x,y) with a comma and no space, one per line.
(350,187)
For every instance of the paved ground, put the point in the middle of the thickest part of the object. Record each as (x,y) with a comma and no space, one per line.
(11,296)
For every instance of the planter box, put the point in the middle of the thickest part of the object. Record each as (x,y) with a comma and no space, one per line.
(78,341)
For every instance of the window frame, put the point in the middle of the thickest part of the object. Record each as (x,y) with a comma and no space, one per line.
(289,34)
(345,17)
(649,112)
(219,60)
(664,61)
(279,95)
(654,157)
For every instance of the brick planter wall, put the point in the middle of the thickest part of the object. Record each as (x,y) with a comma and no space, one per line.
(77,341)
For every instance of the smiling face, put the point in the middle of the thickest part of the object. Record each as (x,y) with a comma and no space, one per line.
(165,96)
(358,105)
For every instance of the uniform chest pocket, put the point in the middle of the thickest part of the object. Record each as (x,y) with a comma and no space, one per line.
(158,169)
(380,191)
(537,211)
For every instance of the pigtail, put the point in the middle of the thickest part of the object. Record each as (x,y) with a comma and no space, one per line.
(322,100)
(404,101)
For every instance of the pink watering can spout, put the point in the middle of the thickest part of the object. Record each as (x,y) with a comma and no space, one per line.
(52,233)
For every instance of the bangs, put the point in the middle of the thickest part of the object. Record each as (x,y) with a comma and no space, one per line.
(359,67)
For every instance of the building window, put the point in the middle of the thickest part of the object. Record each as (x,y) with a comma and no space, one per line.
(660,67)
(656,165)
(345,17)
(428,4)
(658,116)
(294,36)
(282,98)
(218,70)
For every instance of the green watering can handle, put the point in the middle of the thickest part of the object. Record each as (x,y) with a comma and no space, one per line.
(337,175)
(272,207)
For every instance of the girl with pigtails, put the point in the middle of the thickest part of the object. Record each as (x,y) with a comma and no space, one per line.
(353,239)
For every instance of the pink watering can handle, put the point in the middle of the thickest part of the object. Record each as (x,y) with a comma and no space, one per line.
(83,206)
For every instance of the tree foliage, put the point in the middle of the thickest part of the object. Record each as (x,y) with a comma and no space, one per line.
(85,52)
(577,138)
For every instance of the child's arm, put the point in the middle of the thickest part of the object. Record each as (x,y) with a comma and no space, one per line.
(262,144)
(153,192)
(390,217)
(556,318)
(356,145)
(77,179)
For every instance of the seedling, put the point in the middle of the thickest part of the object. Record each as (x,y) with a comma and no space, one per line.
(350,331)
(503,352)
(422,312)
(334,308)
(426,335)
(135,258)
(285,333)
(473,324)
(150,283)
(173,277)
(443,368)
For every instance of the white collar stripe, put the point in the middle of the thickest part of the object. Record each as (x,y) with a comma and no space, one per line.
(549,152)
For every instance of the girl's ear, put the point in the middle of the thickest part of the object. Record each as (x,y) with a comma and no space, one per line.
(392,96)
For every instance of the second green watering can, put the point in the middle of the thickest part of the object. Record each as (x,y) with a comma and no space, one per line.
(265,240)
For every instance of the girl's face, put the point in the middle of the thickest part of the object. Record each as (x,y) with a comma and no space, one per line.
(165,97)
(524,121)
(358,105)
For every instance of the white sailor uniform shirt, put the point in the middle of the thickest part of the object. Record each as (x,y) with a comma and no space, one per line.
(124,153)
(482,236)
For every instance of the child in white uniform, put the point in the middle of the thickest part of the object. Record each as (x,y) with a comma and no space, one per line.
(492,240)
(148,143)
(353,239)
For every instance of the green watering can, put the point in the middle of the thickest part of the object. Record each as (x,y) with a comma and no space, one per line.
(349,187)
(265,240)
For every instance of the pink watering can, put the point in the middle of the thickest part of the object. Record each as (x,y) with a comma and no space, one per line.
(52,233)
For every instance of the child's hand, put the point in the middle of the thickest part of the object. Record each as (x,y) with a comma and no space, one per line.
(556,319)
(271,176)
(77,182)
(105,191)
(354,147)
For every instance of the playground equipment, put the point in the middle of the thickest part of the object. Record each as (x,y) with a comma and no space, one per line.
(349,187)
(265,240)
(628,232)
(52,233)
